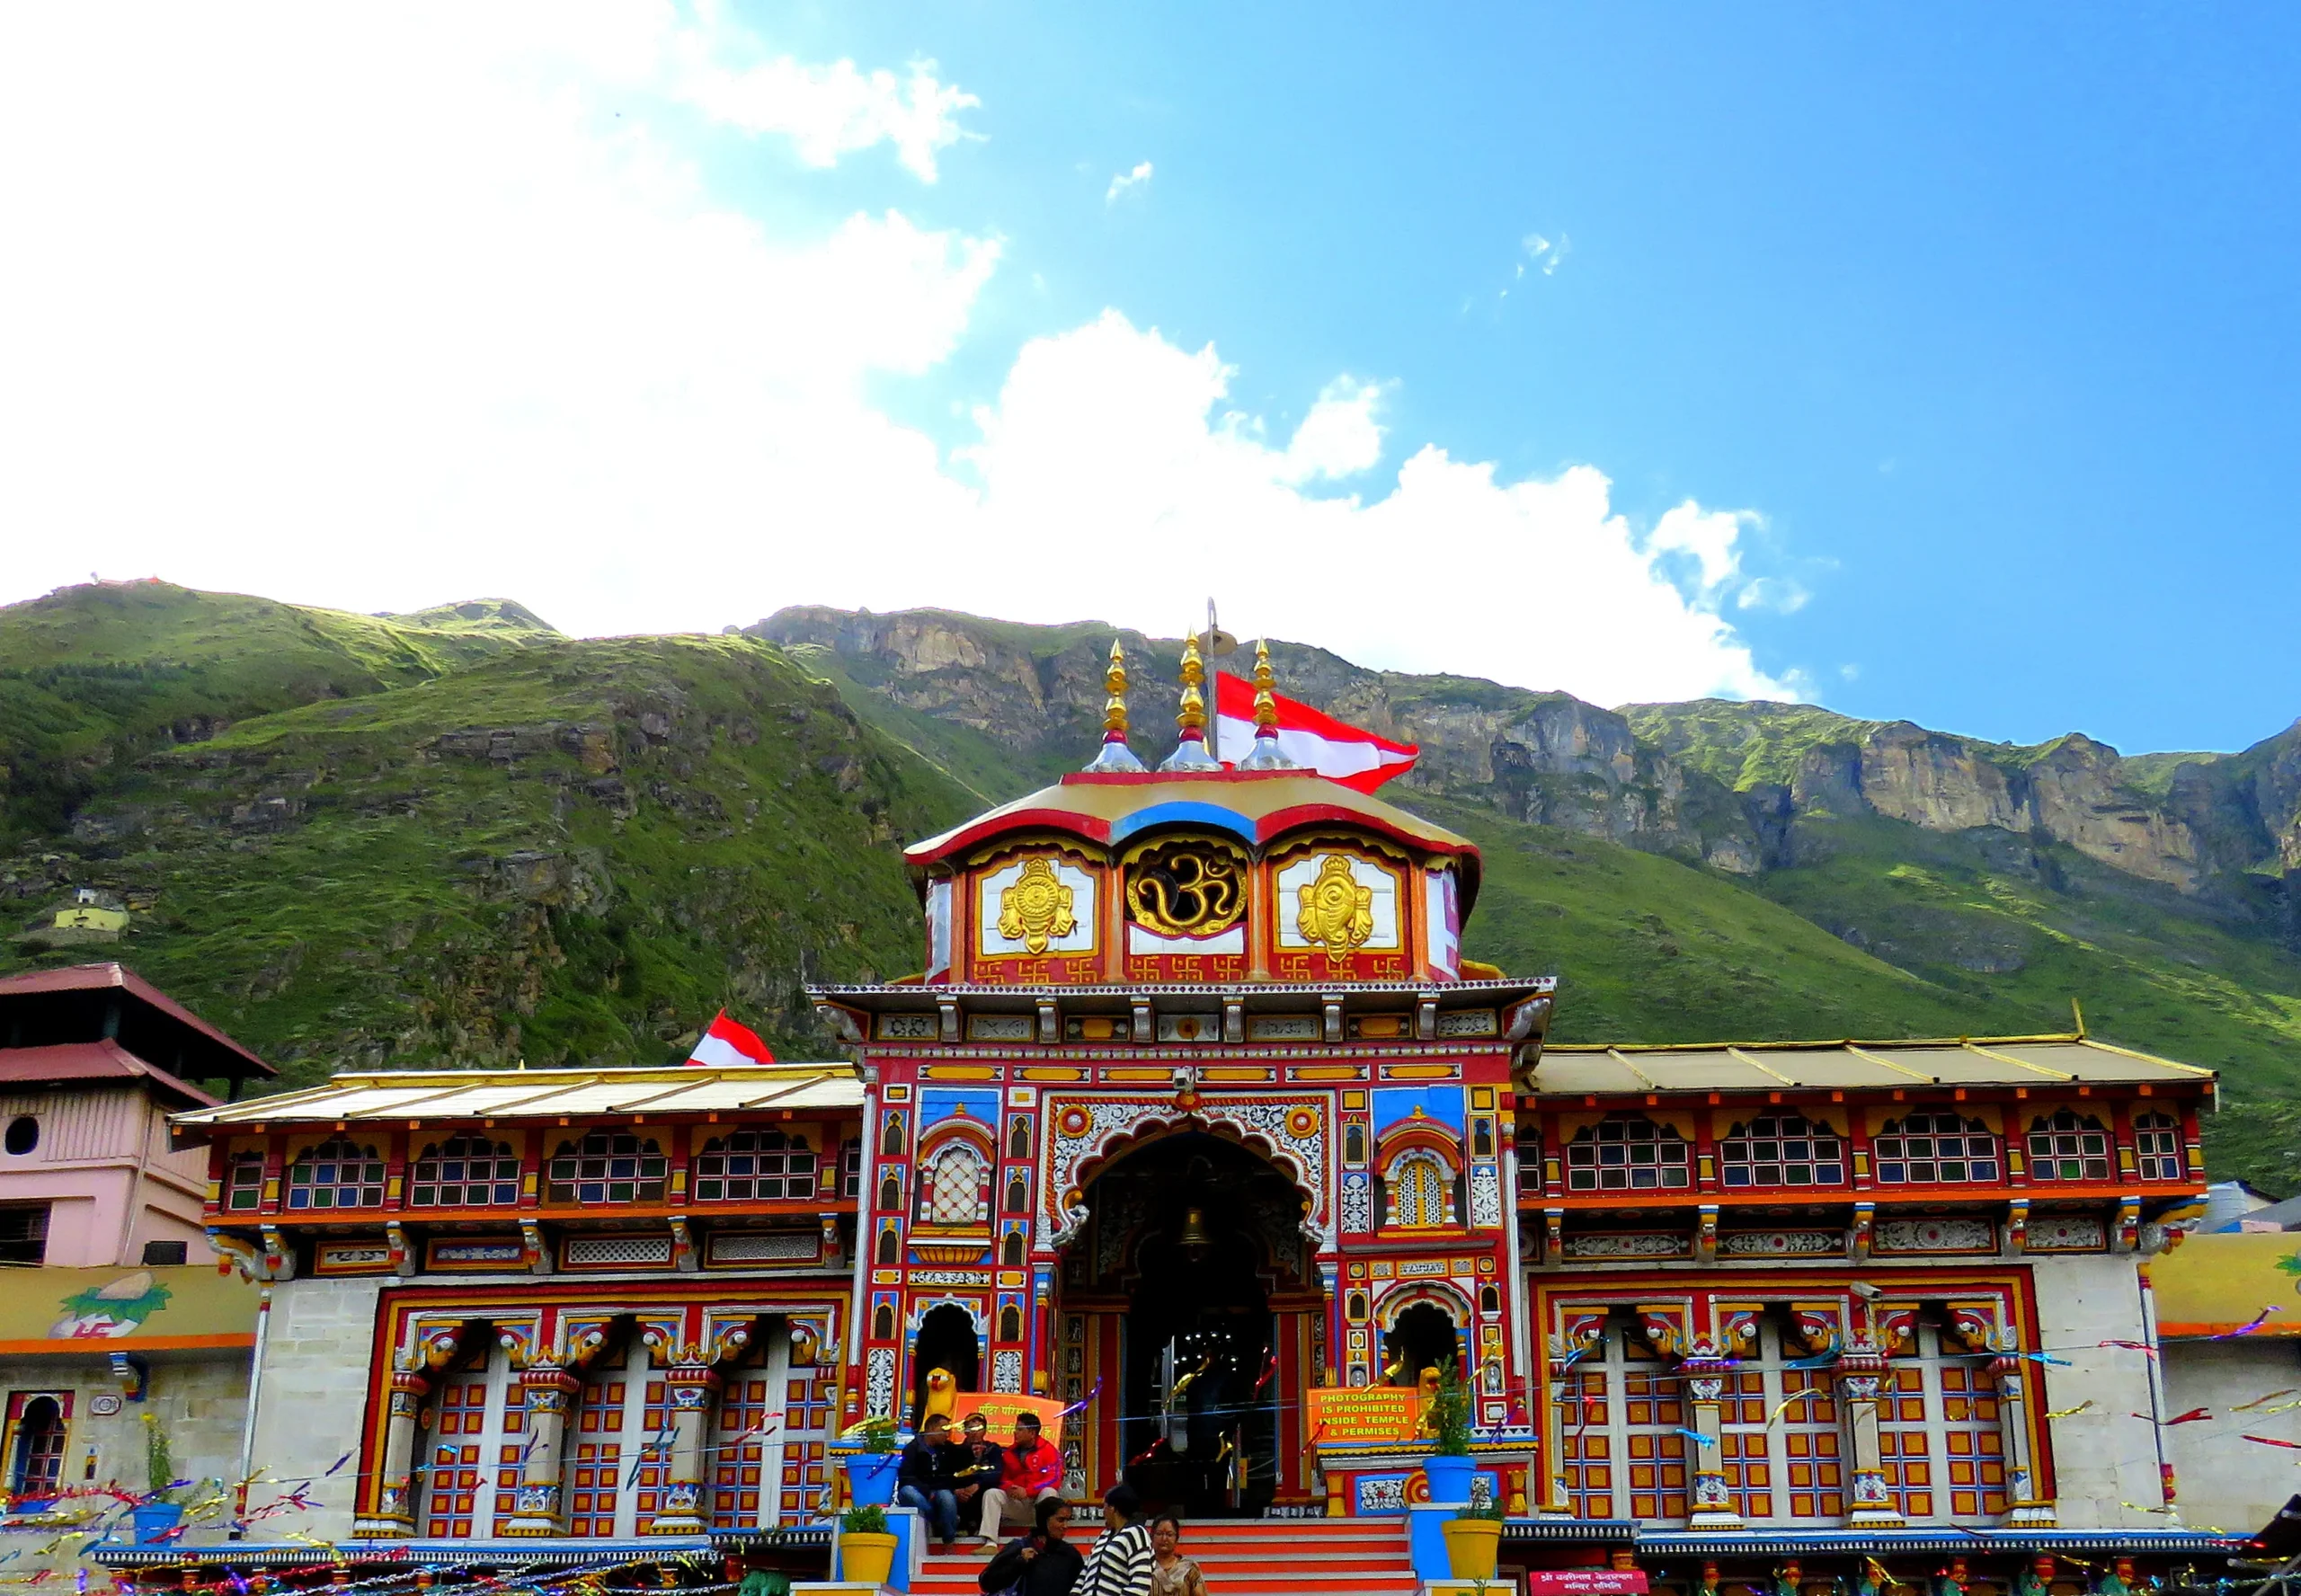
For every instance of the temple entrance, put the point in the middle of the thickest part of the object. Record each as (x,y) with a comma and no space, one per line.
(1200,1311)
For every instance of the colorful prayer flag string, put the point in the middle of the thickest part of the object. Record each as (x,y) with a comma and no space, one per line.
(2247,1329)
(2067,1413)
(2271,1397)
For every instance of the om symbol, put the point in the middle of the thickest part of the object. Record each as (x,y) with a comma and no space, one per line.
(1185,890)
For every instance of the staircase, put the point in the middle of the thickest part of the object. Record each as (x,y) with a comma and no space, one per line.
(1248,1557)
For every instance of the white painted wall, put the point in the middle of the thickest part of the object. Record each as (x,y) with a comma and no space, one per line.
(314,1397)
(2221,1479)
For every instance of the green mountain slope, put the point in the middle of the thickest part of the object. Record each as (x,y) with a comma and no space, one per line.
(568,852)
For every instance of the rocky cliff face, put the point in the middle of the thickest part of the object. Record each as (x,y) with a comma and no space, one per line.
(1736,786)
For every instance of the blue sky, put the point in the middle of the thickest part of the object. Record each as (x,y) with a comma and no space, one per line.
(1930,364)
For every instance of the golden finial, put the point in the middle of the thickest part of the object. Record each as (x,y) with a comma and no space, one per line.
(1265,755)
(1115,684)
(1190,748)
(1193,718)
(1116,754)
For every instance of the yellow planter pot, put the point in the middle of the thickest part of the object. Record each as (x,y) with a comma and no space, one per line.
(865,1559)
(1472,1545)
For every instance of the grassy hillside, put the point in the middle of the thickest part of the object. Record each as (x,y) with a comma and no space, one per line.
(573,852)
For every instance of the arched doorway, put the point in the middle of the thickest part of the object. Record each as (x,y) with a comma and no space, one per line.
(1194,1294)
(946,1340)
(1423,1335)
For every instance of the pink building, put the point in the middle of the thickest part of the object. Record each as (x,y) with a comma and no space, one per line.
(92,1061)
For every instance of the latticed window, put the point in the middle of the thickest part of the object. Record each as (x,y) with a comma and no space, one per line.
(954,1188)
(2157,1144)
(1632,1154)
(2068,1147)
(1622,1428)
(1421,1190)
(244,1184)
(608,1166)
(1781,1443)
(850,1169)
(1939,1434)
(1783,1150)
(336,1174)
(1941,1147)
(754,1165)
(464,1172)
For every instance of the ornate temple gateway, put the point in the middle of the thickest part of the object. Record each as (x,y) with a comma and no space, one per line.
(1196,1124)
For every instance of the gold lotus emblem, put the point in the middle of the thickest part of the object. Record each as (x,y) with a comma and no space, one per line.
(1035,906)
(1336,913)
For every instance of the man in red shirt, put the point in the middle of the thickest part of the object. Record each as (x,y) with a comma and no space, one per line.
(1030,1470)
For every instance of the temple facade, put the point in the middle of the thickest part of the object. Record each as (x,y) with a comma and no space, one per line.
(1196,1120)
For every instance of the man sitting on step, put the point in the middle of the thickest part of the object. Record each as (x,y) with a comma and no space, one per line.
(1032,1469)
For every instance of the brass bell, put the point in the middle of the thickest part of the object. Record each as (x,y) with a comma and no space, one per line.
(1194,1242)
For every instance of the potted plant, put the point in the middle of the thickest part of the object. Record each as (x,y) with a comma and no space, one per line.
(871,1468)
(158,1514)
(1450,1466)
(866,1547)
(1474,1540)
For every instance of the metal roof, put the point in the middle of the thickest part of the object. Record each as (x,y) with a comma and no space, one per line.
(440,1095)
(89,978)
(89,1061)
(2040,1061)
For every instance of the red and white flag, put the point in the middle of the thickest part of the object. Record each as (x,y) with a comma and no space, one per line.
(726,1042)
(1312,738)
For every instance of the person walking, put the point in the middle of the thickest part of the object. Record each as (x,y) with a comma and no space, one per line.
(923,1478)
(1172,1572)
(1040,1562)
(1122,1561)
(977,1467)
(1031,1471)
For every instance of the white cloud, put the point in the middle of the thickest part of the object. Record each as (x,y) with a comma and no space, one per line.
(1123,180)
(1778,594)
(832,111)
(481,326)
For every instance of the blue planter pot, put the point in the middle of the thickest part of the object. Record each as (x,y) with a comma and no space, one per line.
(154,1520)
(871,1478)
(1450,1478)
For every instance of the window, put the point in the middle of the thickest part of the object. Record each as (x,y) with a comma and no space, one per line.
(1783,1150)
(850,1169)
(890,1242)
(754,1166)
(335,1175)
(23,1233)
(1779,1435)
(2157,1139)
(1630,1154)
(1354,1143)
(953,1187)
(619,1462)
(1623,1443)
(769,1466)
(1926,1148)
(1422,1191)
(22,1134)
(1011,1252)
(1938,1433)
(891,1139)
(244,1184)
(1481,1138)
(1018,1194)
(464,1172)
(1018,1137)
(608,1166)
(37,1417)
(2068,1147)
(1010,1323)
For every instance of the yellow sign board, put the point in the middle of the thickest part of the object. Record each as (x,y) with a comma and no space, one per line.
(999,1410)
(1345,1416)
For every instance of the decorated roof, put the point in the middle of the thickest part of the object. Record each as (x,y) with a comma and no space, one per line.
(1773,1065)
(1254,806)
(542,1093)
(2229,1284)
(92,1061)
(169,1307)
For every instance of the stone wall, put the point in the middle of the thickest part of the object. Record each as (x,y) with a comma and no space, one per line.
(2221,1479)
(2103,1456)
(313,1399)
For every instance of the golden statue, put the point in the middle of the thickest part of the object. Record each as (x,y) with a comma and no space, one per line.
(1035,906)
(942,1396)
(1336,913)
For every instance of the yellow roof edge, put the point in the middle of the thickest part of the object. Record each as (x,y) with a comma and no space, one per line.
(1841,1042)
(546,1083)
(2059,1075)
(1740,1057)
(2111,1047)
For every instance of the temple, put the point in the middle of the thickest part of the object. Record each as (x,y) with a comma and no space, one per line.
(1198,1130)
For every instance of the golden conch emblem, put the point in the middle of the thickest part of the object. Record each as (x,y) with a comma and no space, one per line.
(1336,912)
(1035,906)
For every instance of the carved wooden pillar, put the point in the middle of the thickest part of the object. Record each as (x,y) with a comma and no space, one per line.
(1713,1509)
(394,1511)
(684,1510)
(2025,1506)
(551,1392)
(1861,1386)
